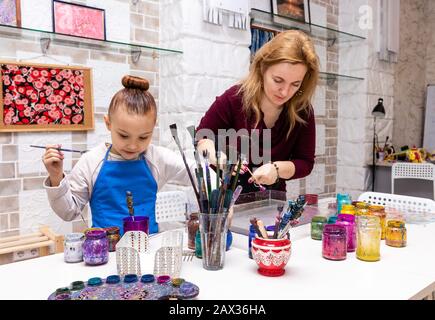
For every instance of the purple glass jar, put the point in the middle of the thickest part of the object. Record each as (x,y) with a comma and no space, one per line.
(334,243)
(348,221)
(96,248)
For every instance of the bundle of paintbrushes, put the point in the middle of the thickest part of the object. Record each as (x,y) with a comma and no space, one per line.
(213,201)
(283,221)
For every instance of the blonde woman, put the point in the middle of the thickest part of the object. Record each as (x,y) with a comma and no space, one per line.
(275,95)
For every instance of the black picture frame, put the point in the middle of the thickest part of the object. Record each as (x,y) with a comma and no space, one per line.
(55,20)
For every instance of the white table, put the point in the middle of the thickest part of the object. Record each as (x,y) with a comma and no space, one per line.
(402,273)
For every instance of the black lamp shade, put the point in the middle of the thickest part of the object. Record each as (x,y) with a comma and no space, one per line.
(379,110)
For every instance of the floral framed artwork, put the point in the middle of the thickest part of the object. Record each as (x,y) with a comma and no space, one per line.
(293,9)
(10,13)
(42,97)
(79,20)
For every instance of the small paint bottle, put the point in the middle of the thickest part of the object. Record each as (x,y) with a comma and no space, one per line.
(395,234)
(348,221)
(368,238)
(96,248)
(334,242)
(317,224)
(72,248)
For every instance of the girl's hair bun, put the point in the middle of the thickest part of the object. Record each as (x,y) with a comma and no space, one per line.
(132,82)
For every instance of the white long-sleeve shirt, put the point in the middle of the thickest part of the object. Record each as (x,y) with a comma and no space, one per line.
(75,190)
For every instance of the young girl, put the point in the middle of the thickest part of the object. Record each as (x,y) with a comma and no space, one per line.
(131,163)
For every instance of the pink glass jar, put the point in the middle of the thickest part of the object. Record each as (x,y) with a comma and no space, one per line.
(334,242)
(348,221)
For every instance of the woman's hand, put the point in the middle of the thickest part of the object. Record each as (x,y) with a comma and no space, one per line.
(266,174)
(53,161)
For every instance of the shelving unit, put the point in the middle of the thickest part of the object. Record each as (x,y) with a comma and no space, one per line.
(46,37)
(277,23)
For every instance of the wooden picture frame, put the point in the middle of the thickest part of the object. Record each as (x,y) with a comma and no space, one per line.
(45,97)
(298,10)
(10,13)
(79,20)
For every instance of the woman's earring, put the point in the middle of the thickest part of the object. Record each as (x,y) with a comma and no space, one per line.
(299,93)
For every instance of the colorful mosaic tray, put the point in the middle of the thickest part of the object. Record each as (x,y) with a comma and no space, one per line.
(129,287)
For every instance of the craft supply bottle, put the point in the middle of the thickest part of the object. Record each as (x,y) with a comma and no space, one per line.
(369,231)
(198,249)
(73,251)
(334,242)
(395,234)
(317,223)
(113,237)
(192,228)
(379,211)
(96,248)
(348,221)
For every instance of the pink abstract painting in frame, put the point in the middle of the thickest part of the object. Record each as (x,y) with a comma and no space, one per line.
(79,20)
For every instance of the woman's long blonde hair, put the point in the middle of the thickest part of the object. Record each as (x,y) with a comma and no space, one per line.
(291,46)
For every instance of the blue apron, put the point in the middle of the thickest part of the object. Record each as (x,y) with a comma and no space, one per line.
(108,201)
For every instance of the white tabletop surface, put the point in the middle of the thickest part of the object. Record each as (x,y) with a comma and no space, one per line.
(402,273)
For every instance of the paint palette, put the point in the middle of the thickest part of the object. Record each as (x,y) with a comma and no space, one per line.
(129,287)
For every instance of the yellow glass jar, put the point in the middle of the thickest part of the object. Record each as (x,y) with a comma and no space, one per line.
(368,238)
(361,208)
(379,211)
(395,235)
(347,209)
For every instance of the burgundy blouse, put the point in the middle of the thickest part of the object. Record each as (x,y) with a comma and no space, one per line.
(227,113)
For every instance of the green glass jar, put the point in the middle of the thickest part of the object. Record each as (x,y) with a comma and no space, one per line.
(317,223)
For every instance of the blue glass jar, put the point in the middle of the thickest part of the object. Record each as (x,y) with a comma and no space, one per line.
(342,198)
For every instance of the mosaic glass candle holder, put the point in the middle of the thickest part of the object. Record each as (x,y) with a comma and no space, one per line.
(348,221)
(395,234)
(73,247)
(368,238)
(334,242)
(96,248)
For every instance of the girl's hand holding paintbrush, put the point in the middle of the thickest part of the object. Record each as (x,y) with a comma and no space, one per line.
(53,162)
(266,174)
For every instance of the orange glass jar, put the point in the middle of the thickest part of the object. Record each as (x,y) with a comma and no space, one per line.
(395,235)
(379,211)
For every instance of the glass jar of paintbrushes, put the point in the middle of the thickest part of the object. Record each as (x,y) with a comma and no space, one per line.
(215,201)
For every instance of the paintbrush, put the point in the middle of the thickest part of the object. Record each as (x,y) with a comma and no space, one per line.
(280,208)
(59,149)
(130,204)
(262,229)
(262,188)
(253,222)
(385,144)
(207,173)
(174,133)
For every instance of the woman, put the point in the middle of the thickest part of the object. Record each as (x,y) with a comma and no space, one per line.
(275,95)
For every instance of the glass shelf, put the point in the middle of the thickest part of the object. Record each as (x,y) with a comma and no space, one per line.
(277,22)
(114,46)
(332,77)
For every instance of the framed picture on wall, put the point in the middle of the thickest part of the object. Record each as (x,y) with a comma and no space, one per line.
(294,9)
(43,97)
(79,20)
(10,13)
